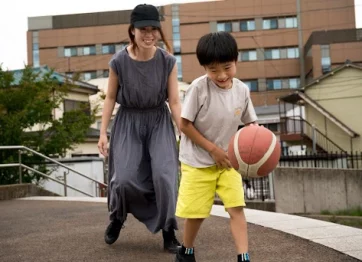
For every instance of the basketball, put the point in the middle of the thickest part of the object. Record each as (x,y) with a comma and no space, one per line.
(254,151)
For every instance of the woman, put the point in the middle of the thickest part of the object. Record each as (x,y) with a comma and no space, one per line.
(143,159)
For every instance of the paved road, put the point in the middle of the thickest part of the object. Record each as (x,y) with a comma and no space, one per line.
(73,231)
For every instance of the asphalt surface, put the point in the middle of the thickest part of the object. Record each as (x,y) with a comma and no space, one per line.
(73,231)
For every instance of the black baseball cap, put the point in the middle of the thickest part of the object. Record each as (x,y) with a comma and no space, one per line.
(145,15)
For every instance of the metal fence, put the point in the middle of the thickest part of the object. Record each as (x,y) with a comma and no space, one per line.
(262,188)
(336,160)
(258,188)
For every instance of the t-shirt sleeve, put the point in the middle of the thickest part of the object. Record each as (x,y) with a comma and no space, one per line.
(192,104)
(248,114)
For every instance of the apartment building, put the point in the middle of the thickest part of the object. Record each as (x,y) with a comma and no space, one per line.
(278,40)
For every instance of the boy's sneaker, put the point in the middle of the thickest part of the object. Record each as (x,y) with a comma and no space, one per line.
(170,242)
(112,231)
(180,257)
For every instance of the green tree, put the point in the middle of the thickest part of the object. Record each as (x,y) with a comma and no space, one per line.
(27,104)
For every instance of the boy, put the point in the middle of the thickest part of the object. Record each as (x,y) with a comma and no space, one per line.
(214,107)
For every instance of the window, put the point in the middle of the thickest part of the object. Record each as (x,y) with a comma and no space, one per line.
(252,84)
(179,66)
(282,53)
(270,23)
(274,84)
(105,73)
(272,54)
(108,49)
(293,52)
(70,105)
(285,83)
(70,51)
(274,23)
(89,50)
(326,59)
(249,55)
(326,65)
(275,54)
(177,46)
(175,21)
(235,26)
(88,75)
(175,7)
(247,25)
(176,36)
(121,46)
(272,126)
(291,22)
(224,27)
(294,83)
(36,59)
(176,29)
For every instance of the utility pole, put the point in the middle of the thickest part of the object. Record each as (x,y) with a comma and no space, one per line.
(300,44)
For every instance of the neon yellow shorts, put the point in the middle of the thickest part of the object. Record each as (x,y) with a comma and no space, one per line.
(199,185)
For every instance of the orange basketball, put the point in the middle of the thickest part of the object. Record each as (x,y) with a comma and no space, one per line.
(254,151)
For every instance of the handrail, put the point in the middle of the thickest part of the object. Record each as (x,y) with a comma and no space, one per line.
(319,132)
(44,175)
(54,161)
(316,129)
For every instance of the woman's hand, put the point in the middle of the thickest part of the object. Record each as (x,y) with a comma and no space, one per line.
(103,145)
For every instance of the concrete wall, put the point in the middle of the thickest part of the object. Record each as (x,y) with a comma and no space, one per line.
(307,190)
(8,192)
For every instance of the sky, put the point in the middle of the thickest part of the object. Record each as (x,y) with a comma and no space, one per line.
(14,20)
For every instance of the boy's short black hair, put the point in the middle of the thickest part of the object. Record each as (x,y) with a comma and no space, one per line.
(215,48)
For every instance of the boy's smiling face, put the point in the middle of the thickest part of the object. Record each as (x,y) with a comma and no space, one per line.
(222,74)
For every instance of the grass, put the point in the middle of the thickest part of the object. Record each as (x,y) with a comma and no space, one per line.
(346,222)
(355,212)
(341,217)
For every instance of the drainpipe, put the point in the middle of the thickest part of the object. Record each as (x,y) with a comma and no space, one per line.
(300,44)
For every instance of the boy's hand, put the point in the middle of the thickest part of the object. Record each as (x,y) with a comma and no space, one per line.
(221,158)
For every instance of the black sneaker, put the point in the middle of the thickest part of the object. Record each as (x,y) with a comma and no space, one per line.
(112,231)
(180,257)
(170,242)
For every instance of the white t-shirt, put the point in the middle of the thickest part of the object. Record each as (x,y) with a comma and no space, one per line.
(216,113)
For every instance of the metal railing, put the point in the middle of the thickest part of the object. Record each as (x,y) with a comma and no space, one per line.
(298,125)
(99,186)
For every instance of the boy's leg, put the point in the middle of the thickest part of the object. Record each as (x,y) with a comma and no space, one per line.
(194,203)
(239,228)
(191,229)
(230,189)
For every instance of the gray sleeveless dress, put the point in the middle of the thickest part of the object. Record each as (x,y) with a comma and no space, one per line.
(143,157)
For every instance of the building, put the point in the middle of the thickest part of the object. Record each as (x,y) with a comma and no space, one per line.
(332,107)
(276,39)
(77,96)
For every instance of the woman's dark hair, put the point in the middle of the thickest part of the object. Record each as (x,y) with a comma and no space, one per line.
(215,48)
(134,45)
